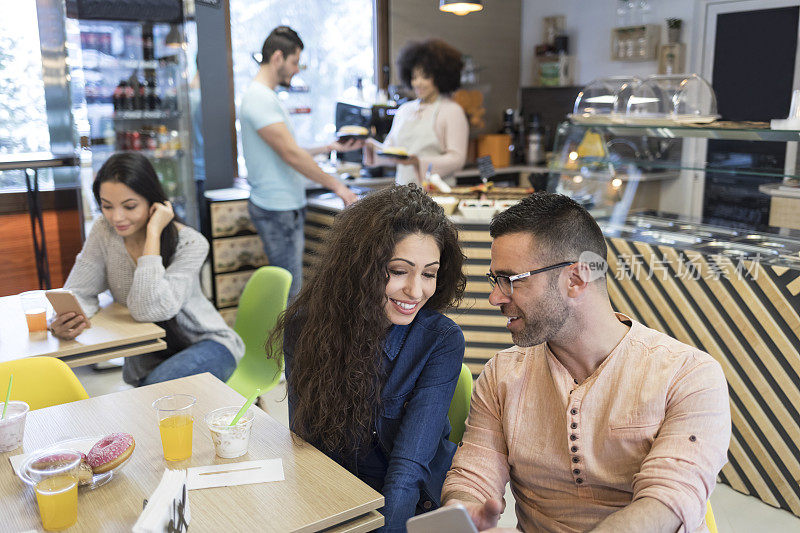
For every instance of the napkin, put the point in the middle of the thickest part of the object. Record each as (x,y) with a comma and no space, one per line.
(230,474)
(167,508)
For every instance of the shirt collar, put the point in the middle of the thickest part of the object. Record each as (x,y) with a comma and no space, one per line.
(395,340)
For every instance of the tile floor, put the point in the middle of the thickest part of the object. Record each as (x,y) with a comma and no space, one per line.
(735,512)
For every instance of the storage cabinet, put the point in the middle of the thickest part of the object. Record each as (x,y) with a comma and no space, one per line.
(236,249)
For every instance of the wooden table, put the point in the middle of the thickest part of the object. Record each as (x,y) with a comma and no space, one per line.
(113,334)
(316,494)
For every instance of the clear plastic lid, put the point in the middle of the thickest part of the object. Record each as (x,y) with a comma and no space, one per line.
(672,98)
(604,98)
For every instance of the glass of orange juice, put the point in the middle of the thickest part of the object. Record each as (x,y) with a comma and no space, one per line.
(35,307)
(175,425)
(54,474)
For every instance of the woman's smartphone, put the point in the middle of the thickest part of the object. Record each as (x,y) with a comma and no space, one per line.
(450,519)
(63,301)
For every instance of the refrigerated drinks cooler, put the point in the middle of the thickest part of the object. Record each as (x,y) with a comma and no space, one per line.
(128,69)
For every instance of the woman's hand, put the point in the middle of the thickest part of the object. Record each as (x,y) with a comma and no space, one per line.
(160,216)
(67,326)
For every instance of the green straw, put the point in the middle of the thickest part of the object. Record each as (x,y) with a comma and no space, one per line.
(8,395)
(244,408)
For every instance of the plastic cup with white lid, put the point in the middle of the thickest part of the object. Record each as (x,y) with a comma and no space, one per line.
(230,441)
(12,427)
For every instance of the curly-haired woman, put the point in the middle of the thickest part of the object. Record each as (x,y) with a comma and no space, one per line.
(371,362)
(433,129)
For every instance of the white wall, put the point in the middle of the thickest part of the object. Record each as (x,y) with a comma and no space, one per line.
(589,24)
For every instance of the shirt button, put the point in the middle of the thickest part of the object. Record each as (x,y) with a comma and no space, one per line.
(461,443)
(574,449)
(573,411)
(579,481)
(576,472)
(427,505)
(575,459)
(692,438)
(405,404)
(573,437)
(574,425)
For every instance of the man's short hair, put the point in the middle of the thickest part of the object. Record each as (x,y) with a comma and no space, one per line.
(561,228)
(282,38)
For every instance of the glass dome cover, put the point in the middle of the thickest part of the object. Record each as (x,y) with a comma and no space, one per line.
(604,99)
(672,99)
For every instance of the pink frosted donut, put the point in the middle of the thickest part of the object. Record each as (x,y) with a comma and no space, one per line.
(111,451)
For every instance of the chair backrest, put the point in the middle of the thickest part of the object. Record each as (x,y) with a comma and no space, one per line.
(262,301)
(459,406)
(41,382)
(711,522)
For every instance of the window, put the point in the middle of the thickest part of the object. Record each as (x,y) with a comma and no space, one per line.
(23,119)
(338,39)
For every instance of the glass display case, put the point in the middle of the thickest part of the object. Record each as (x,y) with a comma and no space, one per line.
(672,99)
(615,170)
(604,100)
(130,92)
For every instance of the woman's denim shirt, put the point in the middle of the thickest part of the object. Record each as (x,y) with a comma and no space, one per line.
(422,361)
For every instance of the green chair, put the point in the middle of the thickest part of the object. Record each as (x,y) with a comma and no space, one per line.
(262,301)
(459,406)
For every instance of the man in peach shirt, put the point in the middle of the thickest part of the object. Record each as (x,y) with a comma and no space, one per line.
(599,423)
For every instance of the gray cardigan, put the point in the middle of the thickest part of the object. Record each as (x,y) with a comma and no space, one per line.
(149,291)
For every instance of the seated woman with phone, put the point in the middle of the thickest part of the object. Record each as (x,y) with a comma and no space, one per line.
(151,264)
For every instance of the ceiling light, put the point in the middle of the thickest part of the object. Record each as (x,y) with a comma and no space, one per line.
(460,8)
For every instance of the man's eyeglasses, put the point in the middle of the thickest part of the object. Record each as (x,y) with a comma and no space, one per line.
(506,283)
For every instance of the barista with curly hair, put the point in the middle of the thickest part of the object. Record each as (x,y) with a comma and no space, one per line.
(371,361)
(433,128)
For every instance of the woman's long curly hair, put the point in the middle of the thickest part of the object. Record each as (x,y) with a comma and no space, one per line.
(338,324)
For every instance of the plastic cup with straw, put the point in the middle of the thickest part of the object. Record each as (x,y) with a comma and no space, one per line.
(12,421)
(231,432)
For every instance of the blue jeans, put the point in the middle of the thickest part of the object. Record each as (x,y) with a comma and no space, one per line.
(281,233)
(204,356)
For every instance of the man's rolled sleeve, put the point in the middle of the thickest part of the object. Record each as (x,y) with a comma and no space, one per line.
(691,446)
(480,466)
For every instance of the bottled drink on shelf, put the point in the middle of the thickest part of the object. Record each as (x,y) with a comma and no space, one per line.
(163,138)
(147,47)
(135,141)
(129,99)
(116,97)
(140,98)
(151,96)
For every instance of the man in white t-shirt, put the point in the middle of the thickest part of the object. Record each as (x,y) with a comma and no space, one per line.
(275,163)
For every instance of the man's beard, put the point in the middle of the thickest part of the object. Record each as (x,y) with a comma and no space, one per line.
(542,320)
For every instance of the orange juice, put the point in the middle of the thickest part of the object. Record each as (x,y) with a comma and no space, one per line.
(57,497)
(36,319)
(176,437)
